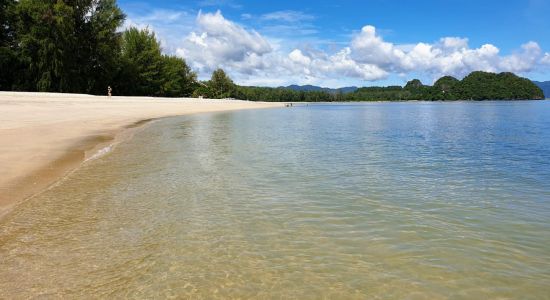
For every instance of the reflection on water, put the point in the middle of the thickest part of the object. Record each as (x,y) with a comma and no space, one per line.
(390,200)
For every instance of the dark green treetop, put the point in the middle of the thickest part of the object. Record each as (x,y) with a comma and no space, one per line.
(69,46)
(221,86)
(414,84)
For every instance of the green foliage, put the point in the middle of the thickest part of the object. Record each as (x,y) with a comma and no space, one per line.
(141,61)
(74,46)
(104,50)
(281,94)
(220,85)
(6,21)
(69,46)
(378,94)
(146,72)
(203,91)
(446,83)
(483,85)
(445,88)
(177,78)
(476,86)
(414,84)
(9,61)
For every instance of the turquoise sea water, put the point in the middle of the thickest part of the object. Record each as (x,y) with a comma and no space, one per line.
(378,200)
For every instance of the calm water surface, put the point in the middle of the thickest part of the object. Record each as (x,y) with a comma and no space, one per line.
(382,200)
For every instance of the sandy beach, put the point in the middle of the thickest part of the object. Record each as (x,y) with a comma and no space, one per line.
(43,136)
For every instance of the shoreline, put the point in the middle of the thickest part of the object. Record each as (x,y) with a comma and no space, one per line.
(44,137)
(413,101)
(46,177)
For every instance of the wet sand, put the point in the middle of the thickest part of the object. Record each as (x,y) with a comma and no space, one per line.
(43,136)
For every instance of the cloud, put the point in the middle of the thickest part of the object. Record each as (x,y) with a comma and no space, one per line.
(288,24)
(524,60)
(453,43)
(448,56)
(290,16)
(209,41)
(167,25)
(369,48)
(298,57)
(218,42)
(322,66)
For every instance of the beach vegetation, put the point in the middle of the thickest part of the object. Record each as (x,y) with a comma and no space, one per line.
(141,63)
(220,85)
(8,58)
(66,46)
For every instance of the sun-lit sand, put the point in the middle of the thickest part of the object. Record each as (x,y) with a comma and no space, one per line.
(45,135)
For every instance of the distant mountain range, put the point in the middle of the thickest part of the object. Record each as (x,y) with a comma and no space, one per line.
(309,88)
(544,86)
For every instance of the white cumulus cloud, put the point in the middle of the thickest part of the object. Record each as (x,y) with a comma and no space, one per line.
(448,56)
(209,41)
(218,41)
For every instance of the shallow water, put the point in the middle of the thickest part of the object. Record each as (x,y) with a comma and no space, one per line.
(378,200)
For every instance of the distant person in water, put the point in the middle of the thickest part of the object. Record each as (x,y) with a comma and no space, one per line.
(109,91)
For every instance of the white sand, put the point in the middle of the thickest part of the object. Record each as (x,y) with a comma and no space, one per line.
(45,135)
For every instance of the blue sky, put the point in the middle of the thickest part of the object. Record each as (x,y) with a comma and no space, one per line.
(329,43)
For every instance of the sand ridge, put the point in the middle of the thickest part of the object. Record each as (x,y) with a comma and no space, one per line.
(43,136)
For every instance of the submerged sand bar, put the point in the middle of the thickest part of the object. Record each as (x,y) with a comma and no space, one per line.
(45,135)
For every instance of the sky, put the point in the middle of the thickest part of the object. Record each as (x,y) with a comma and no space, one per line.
(350,43)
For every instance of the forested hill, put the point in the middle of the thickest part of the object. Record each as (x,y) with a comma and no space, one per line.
(476,86)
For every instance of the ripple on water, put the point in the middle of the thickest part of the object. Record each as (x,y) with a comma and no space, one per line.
(388,200)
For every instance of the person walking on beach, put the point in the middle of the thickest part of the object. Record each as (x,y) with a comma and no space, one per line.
(109,91)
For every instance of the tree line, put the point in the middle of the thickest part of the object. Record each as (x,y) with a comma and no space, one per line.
(477,85)
(76,46)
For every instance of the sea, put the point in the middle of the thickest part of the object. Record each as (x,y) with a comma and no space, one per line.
(384,200)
